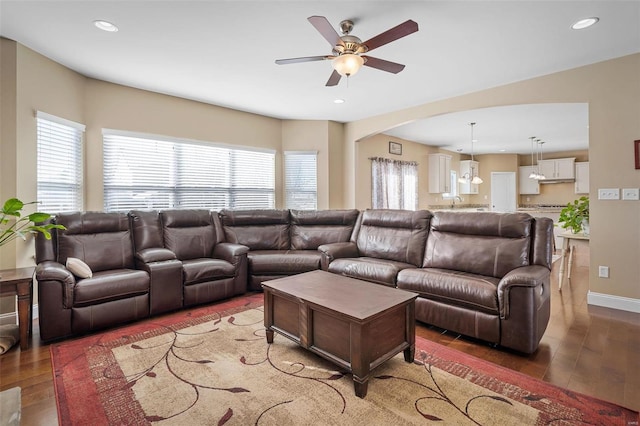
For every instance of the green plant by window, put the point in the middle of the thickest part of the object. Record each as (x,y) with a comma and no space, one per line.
(576,215)
(14,225)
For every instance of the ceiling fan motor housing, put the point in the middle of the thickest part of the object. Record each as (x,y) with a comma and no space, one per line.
(350,44)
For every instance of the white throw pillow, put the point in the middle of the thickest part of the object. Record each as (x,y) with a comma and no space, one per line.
(79,268)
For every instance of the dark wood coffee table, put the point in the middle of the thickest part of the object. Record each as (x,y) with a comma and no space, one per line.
(355,324)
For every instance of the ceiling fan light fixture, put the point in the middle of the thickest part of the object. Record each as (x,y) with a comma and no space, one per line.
(347,64)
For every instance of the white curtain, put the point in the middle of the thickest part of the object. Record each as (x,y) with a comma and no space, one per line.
(394,184)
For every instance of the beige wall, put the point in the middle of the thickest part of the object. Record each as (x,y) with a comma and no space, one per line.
(336,166)
(612,90)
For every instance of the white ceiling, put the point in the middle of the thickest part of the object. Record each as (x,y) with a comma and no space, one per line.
(223,53)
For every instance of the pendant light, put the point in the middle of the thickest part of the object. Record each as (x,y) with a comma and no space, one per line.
(534,172)
(541,175)
(476,180)
(473,177)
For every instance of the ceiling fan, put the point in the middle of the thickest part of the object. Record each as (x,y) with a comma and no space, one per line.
(348,51)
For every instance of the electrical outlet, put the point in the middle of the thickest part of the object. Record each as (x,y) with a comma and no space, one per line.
(603,271)
(630,194)
(609,194)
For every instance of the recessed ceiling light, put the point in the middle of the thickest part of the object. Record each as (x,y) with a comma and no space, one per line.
(105,26)
(502,150)
(338,101)
(585,23)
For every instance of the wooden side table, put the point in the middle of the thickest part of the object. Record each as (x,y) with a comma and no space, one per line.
(19,282)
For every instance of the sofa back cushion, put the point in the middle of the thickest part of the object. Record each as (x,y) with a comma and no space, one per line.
(484,243)
(101,240)
(146,228)
(312,228)
(190,234)
(257,229)
(398,235)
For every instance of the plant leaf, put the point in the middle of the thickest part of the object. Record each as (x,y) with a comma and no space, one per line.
(12,206)
(39,217)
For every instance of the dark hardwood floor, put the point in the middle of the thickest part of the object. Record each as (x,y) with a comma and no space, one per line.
(592,350)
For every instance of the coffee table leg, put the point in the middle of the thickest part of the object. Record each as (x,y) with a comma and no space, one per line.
(360,387)
(269,334)
(410,353)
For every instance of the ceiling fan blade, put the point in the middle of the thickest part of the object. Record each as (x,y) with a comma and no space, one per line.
(394,33)
(325,29)
(303,59)
(334,79)
(383,65)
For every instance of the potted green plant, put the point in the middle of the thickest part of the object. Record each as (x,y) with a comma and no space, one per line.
(576,216)
(14,225)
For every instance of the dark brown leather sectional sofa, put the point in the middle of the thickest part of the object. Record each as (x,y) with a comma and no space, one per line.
(485,275)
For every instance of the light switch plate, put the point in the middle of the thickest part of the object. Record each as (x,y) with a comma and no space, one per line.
(603,271)
(609,194)
(630,194)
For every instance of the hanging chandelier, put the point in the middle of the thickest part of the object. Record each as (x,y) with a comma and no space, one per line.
(473,176)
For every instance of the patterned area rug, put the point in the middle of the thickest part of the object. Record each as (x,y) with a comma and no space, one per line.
(213,366)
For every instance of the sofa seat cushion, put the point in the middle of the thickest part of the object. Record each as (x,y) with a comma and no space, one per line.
(205,269)
(284,262)
(379,271)
(106,286)
(471,291)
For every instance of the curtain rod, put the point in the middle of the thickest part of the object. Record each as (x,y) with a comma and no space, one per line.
(390,160)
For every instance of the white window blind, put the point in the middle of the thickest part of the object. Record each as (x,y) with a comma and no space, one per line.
(301,181)
(157,173)
(59,169)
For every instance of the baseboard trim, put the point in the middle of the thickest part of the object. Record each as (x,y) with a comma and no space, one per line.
(12,317)
(614,302)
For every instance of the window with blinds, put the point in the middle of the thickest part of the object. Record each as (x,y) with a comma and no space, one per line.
(301,180)
(59,164)
(157,173)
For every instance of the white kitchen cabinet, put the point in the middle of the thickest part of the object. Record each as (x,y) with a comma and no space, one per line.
(559,168)
(582,178)
(526,185)
(469,168)
(439,173)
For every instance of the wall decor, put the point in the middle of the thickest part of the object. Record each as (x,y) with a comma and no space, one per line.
(637,153)
(395,148)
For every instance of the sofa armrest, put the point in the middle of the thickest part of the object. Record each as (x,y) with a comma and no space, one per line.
(535,277)
(230,252)
(151,255)
(333,251)
(48,271)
